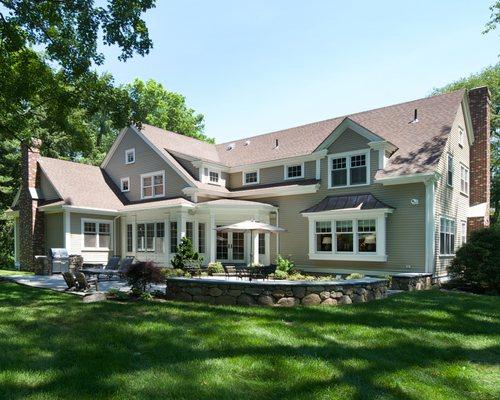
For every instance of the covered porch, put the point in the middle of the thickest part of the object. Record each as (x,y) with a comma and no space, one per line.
(152,231)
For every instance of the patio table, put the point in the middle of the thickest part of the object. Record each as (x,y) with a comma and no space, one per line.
(99,272)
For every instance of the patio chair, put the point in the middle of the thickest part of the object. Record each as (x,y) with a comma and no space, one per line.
(113,263)
(70,280)
(83,284)
(230,270)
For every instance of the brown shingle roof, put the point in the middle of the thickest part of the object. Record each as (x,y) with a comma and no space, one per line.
(361,201)
(82,185)
(419,145)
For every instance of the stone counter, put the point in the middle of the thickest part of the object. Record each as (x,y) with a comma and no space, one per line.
(276,293)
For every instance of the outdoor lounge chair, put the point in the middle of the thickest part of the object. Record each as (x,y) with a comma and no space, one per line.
(83,284)
(230,270)
(70,280)
(113,263)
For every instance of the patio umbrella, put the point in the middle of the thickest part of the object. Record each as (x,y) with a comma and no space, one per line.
(251,226)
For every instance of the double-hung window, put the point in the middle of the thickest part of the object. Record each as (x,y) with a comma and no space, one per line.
(262,244)
(348,169)
(130,156)
(294,171)
(461,135)
(130,238)
(464,179)
(367,236)
(125,184)
(449,171)
(190,231)
(447,236)
(153,185)
(173,236)
(344,236)
(251,177)
(96,234)
(150,236)
(160,236)
(463,232)
(201,237)
(323,236)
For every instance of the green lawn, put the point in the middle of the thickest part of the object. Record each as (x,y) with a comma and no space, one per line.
(10,272)
(426,345)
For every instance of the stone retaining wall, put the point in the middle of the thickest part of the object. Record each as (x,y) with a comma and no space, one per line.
(412,281)
(276,293)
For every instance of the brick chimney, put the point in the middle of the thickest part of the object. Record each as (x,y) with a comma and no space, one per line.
(480,152)
(31,226)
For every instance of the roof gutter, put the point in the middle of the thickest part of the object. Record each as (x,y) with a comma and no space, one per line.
(410,178)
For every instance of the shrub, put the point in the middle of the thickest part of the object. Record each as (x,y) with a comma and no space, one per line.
(354,275)
(284,264)
(186,256)
(142,274)
(215,268)
(279,274)
(477,262)
(117,294)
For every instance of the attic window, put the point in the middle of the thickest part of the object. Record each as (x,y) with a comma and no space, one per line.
(130,156)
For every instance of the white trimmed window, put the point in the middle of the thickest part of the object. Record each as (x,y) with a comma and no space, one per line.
(125,184)
(348,236)
(348,169)
(150,236)
(213,176)
(173,237)
(461,136)
(463,232)
(153,185)
(449,170)
(130,156)
(130,238)
(294,171)
(464,179)
(447,231)
(250,177)
(96,234)
(201,238)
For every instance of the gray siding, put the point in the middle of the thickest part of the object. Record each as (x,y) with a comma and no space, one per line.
(189,167)
(49,193)
(405,227)
(54,231)
(146,160)
(449,202)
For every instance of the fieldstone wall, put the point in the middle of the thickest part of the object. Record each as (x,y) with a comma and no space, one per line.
(276,293)
(411,281)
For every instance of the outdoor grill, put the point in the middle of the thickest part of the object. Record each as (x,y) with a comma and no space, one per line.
(59,260)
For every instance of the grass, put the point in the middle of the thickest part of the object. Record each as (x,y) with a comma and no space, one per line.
(425,345)
(10,272)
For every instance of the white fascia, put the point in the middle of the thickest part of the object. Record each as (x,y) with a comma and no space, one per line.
(410,178)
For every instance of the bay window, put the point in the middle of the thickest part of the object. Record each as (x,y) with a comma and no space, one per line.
(96,234)
(344,236)
(348,169)
(153,185)
(367,236)
(323,236)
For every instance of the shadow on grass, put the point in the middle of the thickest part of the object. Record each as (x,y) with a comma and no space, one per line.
(389,348)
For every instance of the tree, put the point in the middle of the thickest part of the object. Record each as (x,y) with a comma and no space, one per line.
(494,17)
(490,77)
(155,105)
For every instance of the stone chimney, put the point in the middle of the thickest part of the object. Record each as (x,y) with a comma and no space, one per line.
(480,152)
(31,226)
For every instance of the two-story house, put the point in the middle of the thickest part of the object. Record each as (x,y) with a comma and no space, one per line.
(395,189)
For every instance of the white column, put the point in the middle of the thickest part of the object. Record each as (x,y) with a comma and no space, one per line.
(166,240)
(182,225)
(255,247)
(212,238)
(311,234)
(67,230)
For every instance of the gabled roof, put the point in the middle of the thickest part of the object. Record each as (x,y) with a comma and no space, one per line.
(360,201)
(82,185)
(419,145)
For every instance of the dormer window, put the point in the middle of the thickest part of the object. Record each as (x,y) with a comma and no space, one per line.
(213,176)
(294,171)
(348,169)
(125,184)
(130,156)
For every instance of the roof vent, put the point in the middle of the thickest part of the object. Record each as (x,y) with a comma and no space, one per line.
(276,144)
(415,117)
(230,146)
(247,142)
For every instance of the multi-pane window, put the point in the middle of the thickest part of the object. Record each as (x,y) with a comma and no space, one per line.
(160,236)
(463,232)
(367,237)
(323,236)
(464,179)
(349,170)
(461,135)
(213,176)
(125,184)
(344,236)
(201,238)
(449,171)
(153,185)
(97,234)
(150,237)
(251,177)
(130,156)
(294,171)
(130,238)
(141,235)
(173,236)
(189,231)
(262,243)
(447,236)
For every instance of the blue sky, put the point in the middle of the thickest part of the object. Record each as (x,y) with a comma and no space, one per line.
(256,66)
